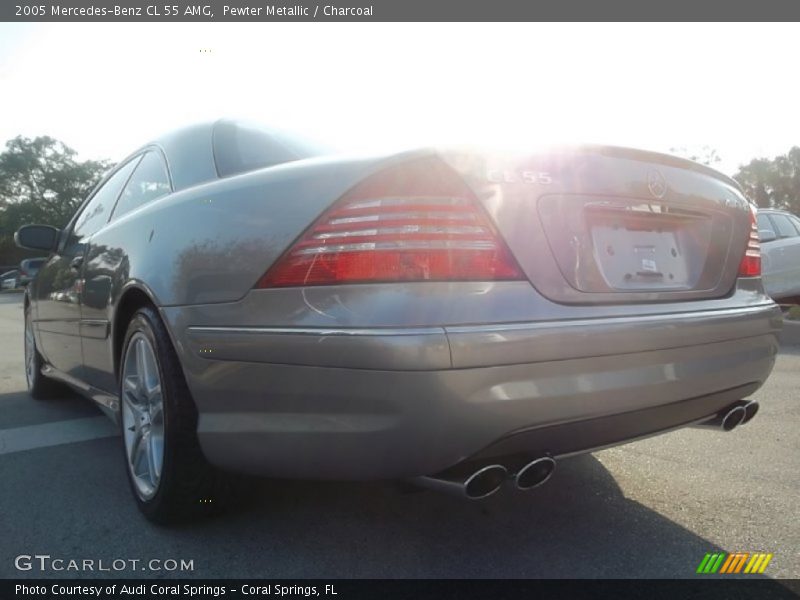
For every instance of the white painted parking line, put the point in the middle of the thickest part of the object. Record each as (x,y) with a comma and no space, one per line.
(44,435)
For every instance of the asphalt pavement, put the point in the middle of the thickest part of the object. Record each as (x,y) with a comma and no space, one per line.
(652,508)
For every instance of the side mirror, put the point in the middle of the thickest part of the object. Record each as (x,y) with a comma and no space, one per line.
(766,235)
(37,237)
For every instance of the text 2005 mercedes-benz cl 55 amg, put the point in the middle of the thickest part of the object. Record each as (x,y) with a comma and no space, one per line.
(239,301)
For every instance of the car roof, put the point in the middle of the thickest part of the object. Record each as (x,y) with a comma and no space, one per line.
(189,150)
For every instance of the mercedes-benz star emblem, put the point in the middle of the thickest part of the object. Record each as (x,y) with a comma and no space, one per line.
(656,183)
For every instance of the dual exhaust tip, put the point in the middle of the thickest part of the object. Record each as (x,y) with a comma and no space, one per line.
(489,479)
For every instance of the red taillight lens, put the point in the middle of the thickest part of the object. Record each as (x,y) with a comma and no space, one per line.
(751,261)
(415,222)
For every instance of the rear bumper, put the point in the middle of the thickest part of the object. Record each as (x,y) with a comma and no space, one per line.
(458,347)
(395,403)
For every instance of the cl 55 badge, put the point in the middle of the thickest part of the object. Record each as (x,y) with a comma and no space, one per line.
(513,176)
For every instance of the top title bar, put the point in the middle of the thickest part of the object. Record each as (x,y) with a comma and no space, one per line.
(398,10)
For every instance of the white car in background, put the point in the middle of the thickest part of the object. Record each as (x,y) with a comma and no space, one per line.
(9,280)
(779,232)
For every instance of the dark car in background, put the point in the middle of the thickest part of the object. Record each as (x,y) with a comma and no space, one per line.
(28,269)
(452,317)
(779,233)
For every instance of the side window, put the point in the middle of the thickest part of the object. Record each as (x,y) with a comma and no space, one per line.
(149,181)
(796,222)
(95,214)
(784,226)
(765,224)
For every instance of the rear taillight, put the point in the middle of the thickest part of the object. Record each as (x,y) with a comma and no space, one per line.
(415,222)
(751,261)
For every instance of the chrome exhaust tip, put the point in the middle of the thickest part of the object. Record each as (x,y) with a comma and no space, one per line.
(750,410)
(535,473)
(730,418)
(485,482)
(481,484)
(733,418)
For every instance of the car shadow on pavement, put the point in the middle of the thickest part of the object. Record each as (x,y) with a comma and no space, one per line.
(18,409)
(578,525)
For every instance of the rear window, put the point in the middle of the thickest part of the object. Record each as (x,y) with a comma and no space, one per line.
(764,224)
(784,226)
(239,148)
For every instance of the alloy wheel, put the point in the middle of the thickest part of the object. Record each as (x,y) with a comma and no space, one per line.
(143,415)
(30,353)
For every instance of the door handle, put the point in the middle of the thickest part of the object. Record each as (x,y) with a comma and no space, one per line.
(76,263)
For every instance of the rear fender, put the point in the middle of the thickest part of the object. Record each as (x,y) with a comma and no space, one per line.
(211,243)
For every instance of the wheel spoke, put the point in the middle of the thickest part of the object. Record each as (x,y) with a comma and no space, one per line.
(130,384)
(136,413)
(147,442)
(30,352)
(155,452)
(150,376)
(156,405)
(140,368)
(137,449)
(131,392)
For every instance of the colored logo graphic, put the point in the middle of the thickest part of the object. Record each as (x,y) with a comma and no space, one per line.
(735,562)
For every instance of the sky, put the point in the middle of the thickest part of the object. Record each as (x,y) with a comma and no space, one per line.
(105,89)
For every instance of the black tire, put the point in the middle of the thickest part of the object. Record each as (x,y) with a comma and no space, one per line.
(39,386)
(189,487)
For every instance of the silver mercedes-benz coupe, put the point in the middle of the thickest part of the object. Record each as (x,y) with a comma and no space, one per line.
(238,300)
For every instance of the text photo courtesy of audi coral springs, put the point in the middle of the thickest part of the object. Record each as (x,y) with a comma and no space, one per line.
(165,590)
(656,266)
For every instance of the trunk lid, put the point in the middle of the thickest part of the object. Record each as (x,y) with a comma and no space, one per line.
(608,225)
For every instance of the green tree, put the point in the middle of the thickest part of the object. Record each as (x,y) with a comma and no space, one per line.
(41,181)
(773,183)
